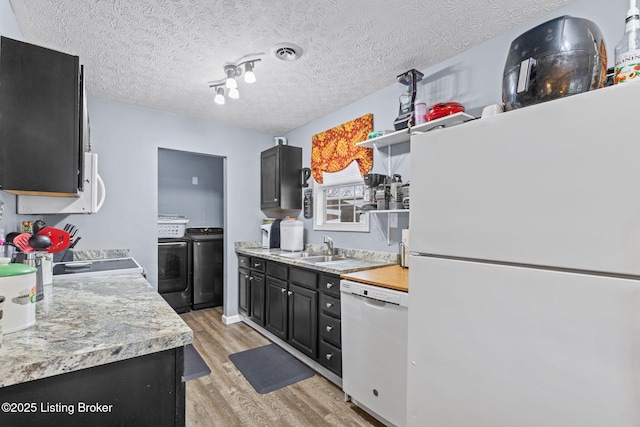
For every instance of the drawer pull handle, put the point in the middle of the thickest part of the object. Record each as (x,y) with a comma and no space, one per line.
(329,328)
(290,293)
(329,285)
(250,278)
(257,264)
(242,261)
(329,304)
(329,356)
(283,290)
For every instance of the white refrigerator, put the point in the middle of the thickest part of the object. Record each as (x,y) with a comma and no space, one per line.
(524,295)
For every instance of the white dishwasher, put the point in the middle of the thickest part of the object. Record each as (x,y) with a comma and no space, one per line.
(374,349)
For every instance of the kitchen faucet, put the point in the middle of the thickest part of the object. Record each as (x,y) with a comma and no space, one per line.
(329,241)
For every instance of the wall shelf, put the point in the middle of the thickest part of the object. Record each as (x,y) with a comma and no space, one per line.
(385,227)
(404,135)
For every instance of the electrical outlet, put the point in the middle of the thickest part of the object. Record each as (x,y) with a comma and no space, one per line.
(194,180)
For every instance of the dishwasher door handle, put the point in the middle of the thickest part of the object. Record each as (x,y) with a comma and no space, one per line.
(374,302)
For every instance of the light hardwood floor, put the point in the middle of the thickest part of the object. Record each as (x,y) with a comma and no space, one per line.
(225,398)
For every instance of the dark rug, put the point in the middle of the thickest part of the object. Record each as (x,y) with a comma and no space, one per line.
(194,365)
(269,368)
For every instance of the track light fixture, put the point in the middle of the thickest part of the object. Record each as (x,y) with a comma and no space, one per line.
(232,71)
(219,98)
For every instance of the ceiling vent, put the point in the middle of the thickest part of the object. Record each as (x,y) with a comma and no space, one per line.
(286,51)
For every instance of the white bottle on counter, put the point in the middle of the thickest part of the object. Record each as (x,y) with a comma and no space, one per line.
(627,52)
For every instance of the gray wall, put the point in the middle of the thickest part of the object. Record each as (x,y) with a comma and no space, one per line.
(473,78)
(127,140)
(202,203)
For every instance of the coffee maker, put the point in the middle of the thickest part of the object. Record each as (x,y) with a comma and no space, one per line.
(371,183)
(270,233)
(408,99)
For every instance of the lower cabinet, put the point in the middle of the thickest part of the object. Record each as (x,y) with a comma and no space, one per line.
(250,270)
(243,290)
(142,391)
(330,353)
(297,305)
(256,296)
(303,319)
(276,310)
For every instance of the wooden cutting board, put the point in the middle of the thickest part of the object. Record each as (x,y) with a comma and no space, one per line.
(392,277)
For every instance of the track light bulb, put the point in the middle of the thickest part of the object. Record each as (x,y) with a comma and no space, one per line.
(231,79)
(219,98)
(233,93)
(249,76)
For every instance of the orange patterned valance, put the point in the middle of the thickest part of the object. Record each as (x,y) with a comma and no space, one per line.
(334,149)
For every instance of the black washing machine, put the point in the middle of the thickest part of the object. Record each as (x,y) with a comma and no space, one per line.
(174,273)
(207,249)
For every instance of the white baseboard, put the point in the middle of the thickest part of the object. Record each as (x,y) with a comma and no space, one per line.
(228,320)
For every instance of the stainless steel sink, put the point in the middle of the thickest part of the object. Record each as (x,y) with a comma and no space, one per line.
(312,257)
(300,254)
(323,258)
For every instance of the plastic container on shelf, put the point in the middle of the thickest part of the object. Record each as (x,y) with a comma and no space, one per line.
(291,235)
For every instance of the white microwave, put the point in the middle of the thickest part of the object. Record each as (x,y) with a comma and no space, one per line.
(88,201)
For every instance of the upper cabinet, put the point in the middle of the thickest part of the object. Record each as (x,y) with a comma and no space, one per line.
(280,168)
(41,120)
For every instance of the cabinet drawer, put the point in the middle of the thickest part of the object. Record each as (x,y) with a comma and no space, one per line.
(330,304)
(330,357)
(330,284)
(257,264)
(306,278)
(330,329)
(278,270)
(243,261)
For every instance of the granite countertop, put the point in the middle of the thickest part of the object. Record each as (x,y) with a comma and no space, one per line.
(358,259)
(91,321)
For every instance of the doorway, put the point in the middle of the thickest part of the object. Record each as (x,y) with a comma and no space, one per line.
(191,185)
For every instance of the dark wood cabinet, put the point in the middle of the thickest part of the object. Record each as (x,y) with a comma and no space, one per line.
(257,290)
(143,391)
(303,319)
(329,327)
(280,189)
(41,120)
(301,308)
(276,307)
(243,290)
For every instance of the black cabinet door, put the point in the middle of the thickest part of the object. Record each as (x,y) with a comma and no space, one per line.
(40,126)
(257,297)
(303,319)
(270,178)
(243,290)
(280,187)
(276,307)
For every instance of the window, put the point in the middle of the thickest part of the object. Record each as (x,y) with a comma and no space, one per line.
(338,201)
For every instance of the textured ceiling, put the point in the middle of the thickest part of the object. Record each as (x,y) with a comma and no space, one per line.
(160,54)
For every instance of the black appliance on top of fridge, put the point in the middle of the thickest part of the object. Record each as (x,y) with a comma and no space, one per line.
(207,267)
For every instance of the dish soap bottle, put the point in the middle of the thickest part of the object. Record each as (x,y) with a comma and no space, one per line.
(627,52)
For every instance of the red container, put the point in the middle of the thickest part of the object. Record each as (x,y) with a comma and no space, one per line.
(443,109)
